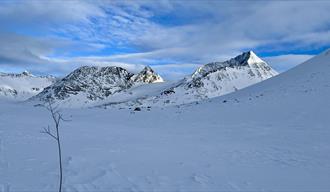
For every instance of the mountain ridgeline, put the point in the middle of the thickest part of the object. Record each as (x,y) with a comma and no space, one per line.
(87,84)
(22,86)
(215,79)
(94,86)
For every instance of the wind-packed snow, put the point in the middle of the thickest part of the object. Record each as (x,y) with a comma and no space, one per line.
(273,136)
(22,86)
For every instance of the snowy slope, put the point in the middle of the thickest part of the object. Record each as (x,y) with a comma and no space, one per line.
(90,84)
(22,86)
(307,80)
(272,136)
(208,81)
(219,78)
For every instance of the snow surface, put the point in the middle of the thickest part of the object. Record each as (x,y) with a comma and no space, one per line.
(273,136)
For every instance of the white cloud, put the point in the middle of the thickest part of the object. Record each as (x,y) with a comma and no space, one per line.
(25,50)
(218,29)
(158,32)
(175,71)
(47,13)
(284,62)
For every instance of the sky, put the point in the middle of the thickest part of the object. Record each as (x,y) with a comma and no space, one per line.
(173,37)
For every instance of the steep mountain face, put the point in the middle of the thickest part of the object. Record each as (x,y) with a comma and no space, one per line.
(219,78)
(147,75)
(22,86)
(211,80)
(87,84)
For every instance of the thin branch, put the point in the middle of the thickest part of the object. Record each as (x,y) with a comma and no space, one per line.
(55,113)
(48,132)
(65,120)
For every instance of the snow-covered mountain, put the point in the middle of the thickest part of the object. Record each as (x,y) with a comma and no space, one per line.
(94,86)
(307,82)
(279,126)
(89,83)
(22,86)
(147,75)
(210,80)
(219,78)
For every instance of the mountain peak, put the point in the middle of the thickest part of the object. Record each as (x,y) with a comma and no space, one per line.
(147,68)
(246,59)
(253,58)
(147,75)
(91,83)
(26,73)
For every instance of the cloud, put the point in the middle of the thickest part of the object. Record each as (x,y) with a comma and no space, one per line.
(210,31)
(284,62)
(162,33)
(175,71)
(22,50)
(17,13)
(26,50)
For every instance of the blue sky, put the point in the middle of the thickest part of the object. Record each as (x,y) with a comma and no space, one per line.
(174,37)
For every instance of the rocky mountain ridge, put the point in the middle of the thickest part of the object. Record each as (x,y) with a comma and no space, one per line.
(212,80)
(90,83)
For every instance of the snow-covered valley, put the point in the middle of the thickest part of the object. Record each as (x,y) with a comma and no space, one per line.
(272,136)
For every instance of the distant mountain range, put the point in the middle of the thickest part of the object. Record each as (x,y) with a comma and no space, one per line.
(22,86)
(104,86)
(208,81)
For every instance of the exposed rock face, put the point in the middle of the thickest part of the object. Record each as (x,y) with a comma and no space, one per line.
(87,84)
(147,75)
(95,82)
